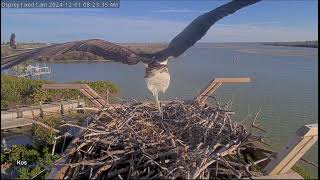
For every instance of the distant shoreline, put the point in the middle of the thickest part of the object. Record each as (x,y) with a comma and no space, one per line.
(74,60)
(307,44)
(139,47)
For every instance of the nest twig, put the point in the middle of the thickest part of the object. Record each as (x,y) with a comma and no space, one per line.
(134,141)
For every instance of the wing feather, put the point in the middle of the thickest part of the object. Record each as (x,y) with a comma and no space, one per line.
(101,48)
(198,28)
(183,41)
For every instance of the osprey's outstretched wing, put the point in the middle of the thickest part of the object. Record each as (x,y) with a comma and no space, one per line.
(197,29)
(97,47)
(183,41)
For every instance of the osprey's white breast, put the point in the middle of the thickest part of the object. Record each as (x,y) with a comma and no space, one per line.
(158,80)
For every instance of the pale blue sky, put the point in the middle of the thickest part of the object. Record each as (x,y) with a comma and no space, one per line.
(160,21)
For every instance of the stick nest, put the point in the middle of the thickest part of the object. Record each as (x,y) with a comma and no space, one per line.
(134,141)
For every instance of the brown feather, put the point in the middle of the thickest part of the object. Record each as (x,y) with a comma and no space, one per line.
(101,48)
(183,41)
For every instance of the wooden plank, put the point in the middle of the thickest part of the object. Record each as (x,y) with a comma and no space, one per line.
(293,175)
(308,130)
(211,89)
(304,139)
(45,126)
(92,99)
(233,80)
(215,84)
(95,95)
(9,118)
(212,85)
(205,92)
(15,123)
(64,86)
(27,111)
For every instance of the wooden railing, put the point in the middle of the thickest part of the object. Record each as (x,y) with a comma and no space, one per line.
(86,90)
(285,159)
(214,85)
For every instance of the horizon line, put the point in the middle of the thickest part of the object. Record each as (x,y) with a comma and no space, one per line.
(165,42)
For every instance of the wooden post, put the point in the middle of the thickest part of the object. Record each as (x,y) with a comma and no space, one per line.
(107,100)
(54,147)
(41,110)
(61,108)
(305,137)
(80,106)
(33,116)
(64,142)
(78,100)
(19,113)
(4,144)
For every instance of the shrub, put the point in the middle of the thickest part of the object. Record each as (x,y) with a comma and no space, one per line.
(40,96)
(44,137)
(24,153)
(34,155)
(4,157)
(27,91)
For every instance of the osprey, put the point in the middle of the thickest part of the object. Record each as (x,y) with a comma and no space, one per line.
(157,79)
(156,76)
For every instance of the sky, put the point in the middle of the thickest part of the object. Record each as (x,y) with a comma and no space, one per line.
(160,21)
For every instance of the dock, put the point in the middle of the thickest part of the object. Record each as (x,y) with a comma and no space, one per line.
(15,118)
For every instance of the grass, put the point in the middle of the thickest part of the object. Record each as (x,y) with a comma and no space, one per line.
(302,171)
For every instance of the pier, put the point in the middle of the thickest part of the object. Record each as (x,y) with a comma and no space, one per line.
(30,71)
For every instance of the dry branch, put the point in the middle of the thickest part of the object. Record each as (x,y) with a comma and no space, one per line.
(133,141)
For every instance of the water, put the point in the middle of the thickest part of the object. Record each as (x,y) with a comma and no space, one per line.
(284,83)
(21,136)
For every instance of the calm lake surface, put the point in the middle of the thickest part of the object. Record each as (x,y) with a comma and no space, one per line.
(284,83)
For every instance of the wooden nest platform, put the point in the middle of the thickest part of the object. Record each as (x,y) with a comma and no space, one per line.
(132,140)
